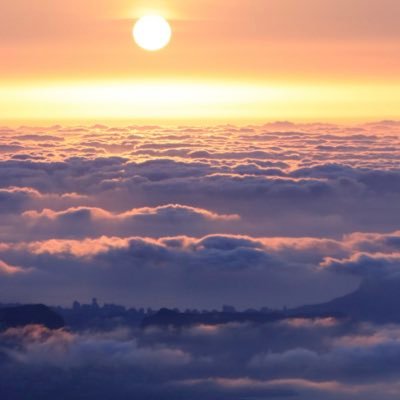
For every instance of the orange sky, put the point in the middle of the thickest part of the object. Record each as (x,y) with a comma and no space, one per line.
(228,59)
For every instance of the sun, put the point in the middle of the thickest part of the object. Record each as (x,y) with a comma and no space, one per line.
(152,32)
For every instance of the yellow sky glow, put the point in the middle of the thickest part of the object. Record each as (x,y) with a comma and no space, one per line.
(228,60)
(192,101)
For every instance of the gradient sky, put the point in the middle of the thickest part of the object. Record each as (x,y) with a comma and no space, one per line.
(228,60)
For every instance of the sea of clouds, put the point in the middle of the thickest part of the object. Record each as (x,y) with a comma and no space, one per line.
(299,358)
(272,215)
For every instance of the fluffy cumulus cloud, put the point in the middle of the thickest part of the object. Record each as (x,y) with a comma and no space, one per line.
(170,219)
(272,215)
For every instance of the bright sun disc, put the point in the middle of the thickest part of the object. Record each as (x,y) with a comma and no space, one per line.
(152,32)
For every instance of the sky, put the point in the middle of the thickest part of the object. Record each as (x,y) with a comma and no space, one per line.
(247,61)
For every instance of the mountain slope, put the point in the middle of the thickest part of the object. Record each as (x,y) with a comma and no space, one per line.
(376,300)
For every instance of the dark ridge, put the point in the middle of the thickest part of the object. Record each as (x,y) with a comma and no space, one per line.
(377,300)
(39,314)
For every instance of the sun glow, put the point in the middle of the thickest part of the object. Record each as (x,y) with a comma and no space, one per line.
(152,32)
(162,101)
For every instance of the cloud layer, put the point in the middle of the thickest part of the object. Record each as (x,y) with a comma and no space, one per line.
(198,216)
(272,215)
(321,358)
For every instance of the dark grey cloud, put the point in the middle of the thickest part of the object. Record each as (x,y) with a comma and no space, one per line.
(317,358)
(198,272)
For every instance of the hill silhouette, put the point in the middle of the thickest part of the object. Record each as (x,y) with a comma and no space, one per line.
(39,314)
(377,300)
